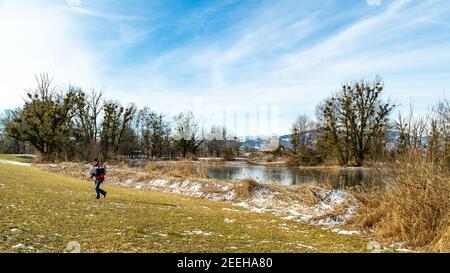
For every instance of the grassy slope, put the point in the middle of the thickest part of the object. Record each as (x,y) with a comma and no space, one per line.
(45,211)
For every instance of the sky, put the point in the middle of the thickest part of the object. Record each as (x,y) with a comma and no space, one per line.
(251,66)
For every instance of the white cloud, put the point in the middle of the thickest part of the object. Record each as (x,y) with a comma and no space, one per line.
(37,38)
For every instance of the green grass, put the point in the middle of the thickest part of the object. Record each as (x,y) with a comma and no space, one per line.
(42,212)
(18,158)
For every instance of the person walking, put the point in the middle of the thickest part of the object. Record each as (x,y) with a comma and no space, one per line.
(99,173)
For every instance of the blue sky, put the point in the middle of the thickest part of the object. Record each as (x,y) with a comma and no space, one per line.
(228,60)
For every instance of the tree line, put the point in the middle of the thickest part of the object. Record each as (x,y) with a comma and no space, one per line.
(352,126)
(76,125)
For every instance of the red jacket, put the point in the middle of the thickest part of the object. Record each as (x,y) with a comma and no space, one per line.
(99,171)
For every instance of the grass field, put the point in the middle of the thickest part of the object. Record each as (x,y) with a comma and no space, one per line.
(15,157)
(43,212)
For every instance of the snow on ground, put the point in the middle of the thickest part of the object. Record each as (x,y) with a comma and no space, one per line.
(197,232)
(263,200)
(19,245)
(305,246)
(333,207)
(345,232)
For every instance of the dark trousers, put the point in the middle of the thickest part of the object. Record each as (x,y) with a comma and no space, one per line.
(99,191)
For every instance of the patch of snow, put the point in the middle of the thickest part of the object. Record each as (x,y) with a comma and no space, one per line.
(345,232)
(306,246)
(160,234)
(159,183)
(18,246)
(404,250)
(400,248)
(258,210)
(229,220)
(242,204)
(128,181)
(197,232)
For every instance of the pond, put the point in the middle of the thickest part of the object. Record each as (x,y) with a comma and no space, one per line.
(338,178)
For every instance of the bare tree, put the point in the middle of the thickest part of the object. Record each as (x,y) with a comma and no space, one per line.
(187,133)
(302,131)
(353,117)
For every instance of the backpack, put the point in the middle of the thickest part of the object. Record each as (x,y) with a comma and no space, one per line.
(99,171)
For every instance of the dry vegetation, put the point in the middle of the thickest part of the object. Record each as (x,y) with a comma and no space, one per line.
(306,194)
(413,207)
(177,169)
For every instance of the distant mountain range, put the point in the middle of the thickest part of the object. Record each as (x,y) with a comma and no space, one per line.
(259,143)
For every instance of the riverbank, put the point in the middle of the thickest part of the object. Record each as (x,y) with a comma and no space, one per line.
(47,212)
(246,162)
(308,203)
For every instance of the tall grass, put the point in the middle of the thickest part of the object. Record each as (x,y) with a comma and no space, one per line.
(177,169)
(413,207)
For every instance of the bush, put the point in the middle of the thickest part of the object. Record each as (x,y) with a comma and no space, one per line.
(229,154)
(413,207)
(177,169)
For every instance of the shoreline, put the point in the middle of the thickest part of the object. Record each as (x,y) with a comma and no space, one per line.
(248,163)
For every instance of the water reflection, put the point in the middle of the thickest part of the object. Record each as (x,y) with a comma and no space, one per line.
(338,178)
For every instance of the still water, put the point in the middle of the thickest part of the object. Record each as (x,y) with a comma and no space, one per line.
(338,178)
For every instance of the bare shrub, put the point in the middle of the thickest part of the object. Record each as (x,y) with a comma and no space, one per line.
(413,208)
(177,169)
(246,188)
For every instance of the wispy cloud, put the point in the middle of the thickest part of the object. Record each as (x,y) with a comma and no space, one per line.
(103,15)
